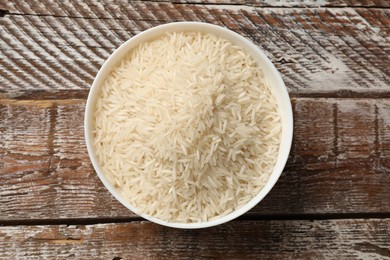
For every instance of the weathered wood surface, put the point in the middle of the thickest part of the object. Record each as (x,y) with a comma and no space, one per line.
(50,48)
(339,164)
(291,3)
(335,62)
(30,6)
(331,239)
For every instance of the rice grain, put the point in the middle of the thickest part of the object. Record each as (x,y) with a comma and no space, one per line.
(186,127)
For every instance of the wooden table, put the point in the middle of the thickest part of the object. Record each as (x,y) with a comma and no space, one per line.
(332,200)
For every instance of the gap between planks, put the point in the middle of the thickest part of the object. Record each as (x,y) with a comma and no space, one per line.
(224,6)
(246,217)
(47,103)
(77,96)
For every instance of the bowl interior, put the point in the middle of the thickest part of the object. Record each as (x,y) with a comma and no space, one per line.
(272,77)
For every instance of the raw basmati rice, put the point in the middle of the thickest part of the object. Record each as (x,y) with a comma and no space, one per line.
(186,128)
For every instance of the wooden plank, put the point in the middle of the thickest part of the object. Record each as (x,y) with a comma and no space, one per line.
(333,155)
(339,164)
(61,47)
(33,6)
(46,165)
(328,239)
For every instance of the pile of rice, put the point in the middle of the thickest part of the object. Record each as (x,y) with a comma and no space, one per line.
(186,128)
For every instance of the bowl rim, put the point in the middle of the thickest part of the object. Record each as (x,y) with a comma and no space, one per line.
(282,96)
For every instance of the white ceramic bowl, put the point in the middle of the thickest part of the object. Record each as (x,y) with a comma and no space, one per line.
(271,75)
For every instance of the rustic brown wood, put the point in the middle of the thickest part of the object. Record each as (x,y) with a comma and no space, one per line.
(335,239)
(60,46)
(46,165)
(339,164)
(334,58)
(28,7)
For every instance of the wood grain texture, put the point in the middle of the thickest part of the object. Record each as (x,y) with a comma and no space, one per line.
(339,163)
(59,46)
(46,164)
(28,7)
(336,239)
